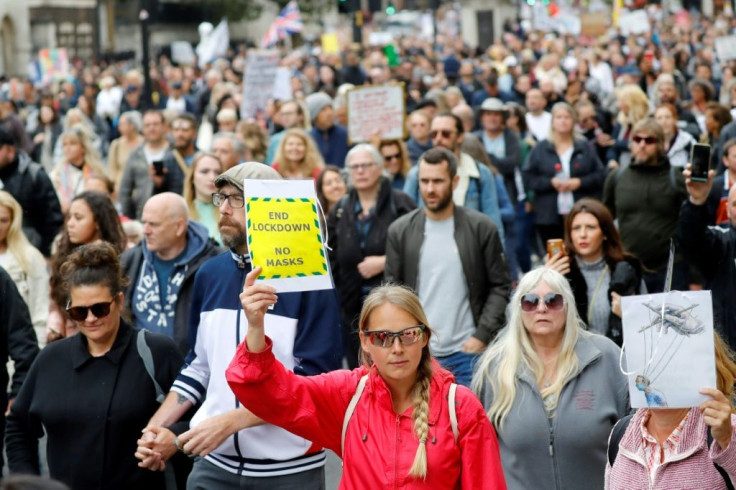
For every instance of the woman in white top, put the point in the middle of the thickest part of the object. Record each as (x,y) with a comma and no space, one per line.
(676,142)
(80,161)
(25,265)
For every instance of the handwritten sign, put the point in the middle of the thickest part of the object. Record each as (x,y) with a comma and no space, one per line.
(53,65)
(635,22)
(376,109)
(726,48)
(285,236)
(260,79)
(668,342)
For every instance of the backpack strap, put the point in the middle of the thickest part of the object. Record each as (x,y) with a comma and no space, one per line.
(144,351)
(180,160)
(616,434)
(453,411)
(351,409)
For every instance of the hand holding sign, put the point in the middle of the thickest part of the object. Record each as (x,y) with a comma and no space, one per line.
(256,299)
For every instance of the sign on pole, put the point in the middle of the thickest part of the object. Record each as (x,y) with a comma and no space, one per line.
(260,78)
(53,65)
(285,236)
(374,110)
(726,48)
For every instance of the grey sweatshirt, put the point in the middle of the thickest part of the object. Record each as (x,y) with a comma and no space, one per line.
(567,451)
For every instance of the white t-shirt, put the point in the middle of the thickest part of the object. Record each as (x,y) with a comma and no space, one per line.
(154,157)
(540,125)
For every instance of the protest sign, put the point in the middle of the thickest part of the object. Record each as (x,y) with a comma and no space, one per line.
(285,236)
(260,79)
(182,53)
(53,65)
(594,24)
(635,22)
(726,48)
(668,342)
(374,110)
(330,43)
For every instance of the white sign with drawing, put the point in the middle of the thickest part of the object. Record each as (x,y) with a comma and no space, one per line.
(668,342)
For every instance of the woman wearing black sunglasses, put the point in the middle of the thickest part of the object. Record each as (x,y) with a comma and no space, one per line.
(552,390)
(91,393)
(389,419)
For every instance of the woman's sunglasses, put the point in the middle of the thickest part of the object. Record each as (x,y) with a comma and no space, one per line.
(552,301)
(385,338)
(99,310)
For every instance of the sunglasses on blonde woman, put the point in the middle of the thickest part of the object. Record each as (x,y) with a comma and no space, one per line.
(552,302)
(386,338)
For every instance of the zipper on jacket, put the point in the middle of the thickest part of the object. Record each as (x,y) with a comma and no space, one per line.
(555,469)
(396,452)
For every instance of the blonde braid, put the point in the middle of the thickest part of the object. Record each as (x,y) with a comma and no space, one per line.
(421,417)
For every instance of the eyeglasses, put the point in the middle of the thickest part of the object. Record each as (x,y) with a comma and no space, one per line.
(446,133)
(99,310)
(552,302)
(235,201)
(395,156)
(385,338)
(356,167)
(649,140)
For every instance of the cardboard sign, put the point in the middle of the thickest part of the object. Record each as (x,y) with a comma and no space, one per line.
(261,68)
(53,65)
(726,48)
(668,342)
(594,24)
(285,236)
(378,110)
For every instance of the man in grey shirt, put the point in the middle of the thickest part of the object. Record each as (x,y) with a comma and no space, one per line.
(453,257)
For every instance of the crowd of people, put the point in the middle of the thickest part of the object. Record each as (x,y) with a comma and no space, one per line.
(478,355)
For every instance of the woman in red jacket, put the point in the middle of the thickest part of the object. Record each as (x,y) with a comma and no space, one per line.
(402,435)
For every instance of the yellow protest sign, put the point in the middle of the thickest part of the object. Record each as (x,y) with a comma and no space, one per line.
(284,236)
(330,43)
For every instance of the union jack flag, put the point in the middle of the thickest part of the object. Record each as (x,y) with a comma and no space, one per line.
(289,21)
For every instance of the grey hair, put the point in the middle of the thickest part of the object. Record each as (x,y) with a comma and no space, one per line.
(133,118)
(365,148)
(238,145)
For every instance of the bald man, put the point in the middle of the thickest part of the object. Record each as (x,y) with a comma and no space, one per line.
(161,268)
(713,250)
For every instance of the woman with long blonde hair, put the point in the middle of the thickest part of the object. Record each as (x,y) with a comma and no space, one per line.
(545,375)
(80,161)
(633,105)
(297,157)
(391,420)
(199,185)
(24,263)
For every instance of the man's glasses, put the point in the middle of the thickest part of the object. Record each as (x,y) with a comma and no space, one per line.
(385,338)
(552,301)
(446,133)
(395,156)
(649,140)
(236,201)
(99,310)
(356,167)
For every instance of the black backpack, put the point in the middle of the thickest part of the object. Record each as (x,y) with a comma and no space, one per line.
(617,433)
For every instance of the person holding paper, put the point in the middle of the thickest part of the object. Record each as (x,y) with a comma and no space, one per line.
(392,419)
(546,376)
(680,447)
(234,448)
(712,249)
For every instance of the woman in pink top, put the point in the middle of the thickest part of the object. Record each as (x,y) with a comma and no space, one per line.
(667,448)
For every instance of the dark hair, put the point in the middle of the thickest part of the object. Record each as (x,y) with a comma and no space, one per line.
(458,122)
(318,184)
(703,85)
(613,248)
(728,145)
(721,115)
(438,155)
(6,137)
(157,112)
(110,230)
(109,184)
(91,265)
(519,111)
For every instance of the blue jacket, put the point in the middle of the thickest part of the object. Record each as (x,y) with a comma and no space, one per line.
(332,144)
(305,328)
(482,192)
